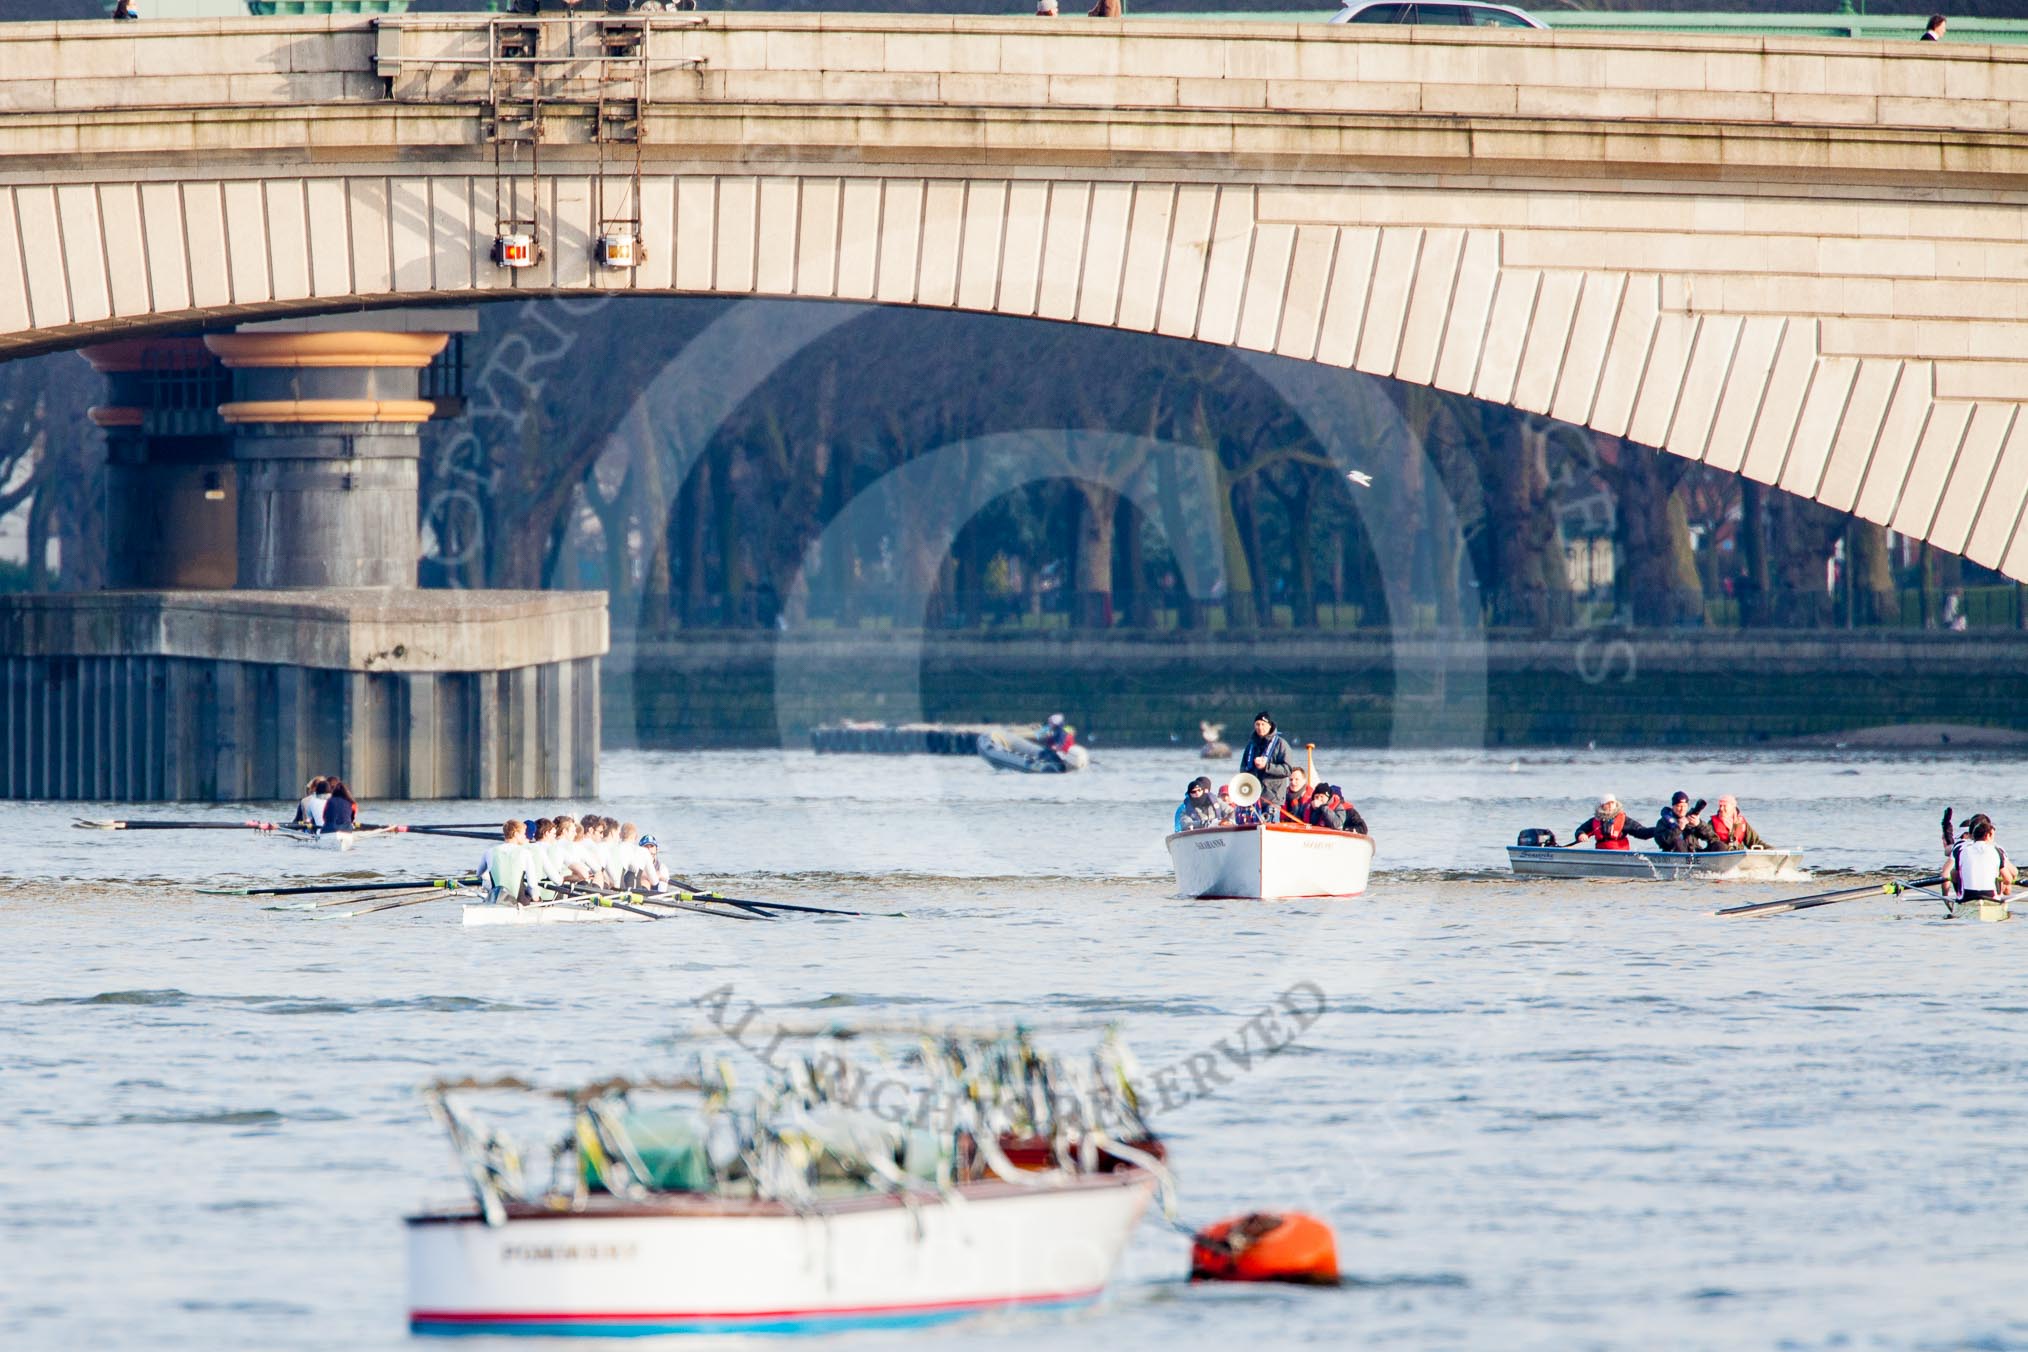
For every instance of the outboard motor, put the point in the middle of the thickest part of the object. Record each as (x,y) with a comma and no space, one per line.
(1537,837)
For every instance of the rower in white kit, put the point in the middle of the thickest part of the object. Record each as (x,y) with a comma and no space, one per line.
(512,871)
(1977,867)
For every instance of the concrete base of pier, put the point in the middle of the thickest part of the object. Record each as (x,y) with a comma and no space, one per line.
(223,696)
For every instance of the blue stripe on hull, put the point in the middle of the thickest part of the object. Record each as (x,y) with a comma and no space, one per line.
(624,1327)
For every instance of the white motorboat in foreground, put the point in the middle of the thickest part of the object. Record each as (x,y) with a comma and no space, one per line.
(1270,862)
(1586,861)
(798,1204)
(714,1265)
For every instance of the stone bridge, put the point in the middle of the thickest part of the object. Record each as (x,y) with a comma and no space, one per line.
(1802,260)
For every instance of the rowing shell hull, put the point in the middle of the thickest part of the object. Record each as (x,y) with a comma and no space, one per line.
(1535,861)
(1270,863)
(483,913)
(701,1265)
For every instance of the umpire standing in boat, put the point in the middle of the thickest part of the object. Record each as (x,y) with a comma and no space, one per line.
(1266,758)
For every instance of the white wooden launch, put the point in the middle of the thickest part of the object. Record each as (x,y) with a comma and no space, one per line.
(1279,861)
(710,1265)
(1587,861)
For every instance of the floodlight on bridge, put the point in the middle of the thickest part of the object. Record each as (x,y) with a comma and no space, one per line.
(516,250)
(617,249)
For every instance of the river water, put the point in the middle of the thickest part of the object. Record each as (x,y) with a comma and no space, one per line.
(1542,1114)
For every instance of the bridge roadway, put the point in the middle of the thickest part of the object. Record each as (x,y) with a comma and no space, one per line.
(1802,260)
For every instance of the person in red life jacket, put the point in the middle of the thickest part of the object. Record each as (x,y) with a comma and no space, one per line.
(1056,738)
(1297,804)
(1728,830)
(1609,827)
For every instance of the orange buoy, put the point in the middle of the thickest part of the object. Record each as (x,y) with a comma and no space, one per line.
(1266,1247)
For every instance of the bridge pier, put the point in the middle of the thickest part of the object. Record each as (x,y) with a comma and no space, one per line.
(326,440)
(262,528)
(170,478)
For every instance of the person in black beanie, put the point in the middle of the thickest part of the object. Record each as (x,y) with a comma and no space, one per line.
(1266,758)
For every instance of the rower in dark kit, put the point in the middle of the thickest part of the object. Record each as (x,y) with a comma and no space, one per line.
(1609,827)
(1266,758)
(1297,805)
(341,810)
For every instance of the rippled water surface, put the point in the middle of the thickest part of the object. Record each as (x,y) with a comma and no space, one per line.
(1539,1114)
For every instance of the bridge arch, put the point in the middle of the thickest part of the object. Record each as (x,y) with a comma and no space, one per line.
(1821,291)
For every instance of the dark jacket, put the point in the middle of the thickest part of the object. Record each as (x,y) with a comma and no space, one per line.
(1674,835)
(1274,779)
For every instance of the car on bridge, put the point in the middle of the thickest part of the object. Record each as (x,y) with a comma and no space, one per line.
(1456,13)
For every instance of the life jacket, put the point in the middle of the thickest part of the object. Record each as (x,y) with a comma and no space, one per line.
(1611,835)
(1723,834)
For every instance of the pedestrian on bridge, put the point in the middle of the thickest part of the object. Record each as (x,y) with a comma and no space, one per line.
(1934,31)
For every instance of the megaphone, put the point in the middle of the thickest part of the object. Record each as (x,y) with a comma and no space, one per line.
(1245,790)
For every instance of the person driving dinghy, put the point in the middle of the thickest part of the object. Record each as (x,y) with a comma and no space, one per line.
(1609,827)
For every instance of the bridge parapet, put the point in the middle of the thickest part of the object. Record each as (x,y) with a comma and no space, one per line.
(1743,103)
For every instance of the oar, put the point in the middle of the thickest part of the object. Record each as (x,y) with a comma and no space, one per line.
(1828,898)
(87,824)
(407,884)
(493,835)
(432,893)
(605,899)
(750,907)
(694,892)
